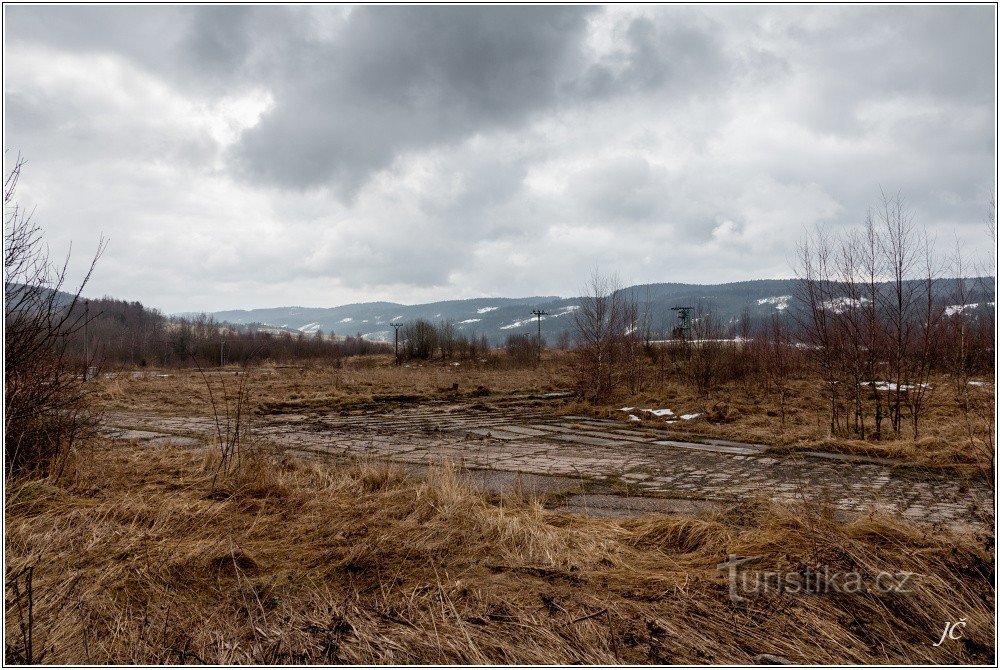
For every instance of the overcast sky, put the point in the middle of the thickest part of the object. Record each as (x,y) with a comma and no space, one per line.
(242,157)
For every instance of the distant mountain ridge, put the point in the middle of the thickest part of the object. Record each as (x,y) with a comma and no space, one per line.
(499,317)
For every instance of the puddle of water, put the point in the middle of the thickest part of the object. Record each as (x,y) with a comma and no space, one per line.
(615,506)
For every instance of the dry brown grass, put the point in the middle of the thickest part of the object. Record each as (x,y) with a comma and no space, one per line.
(137,561)
(320,386)
(948,437)
(738,411)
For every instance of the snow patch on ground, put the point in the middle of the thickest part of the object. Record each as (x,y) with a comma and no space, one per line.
(892,386)
(484,310)
(471,321)
(654,412)
(660,412)
(346,319)
(309,328)
(688,417)
(633,417)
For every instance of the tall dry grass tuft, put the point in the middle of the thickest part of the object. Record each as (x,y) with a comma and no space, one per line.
(295,562)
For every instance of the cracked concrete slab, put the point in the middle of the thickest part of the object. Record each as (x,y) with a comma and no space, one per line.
(509,442)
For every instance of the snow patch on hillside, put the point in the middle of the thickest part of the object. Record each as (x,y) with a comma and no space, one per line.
(568,309)
(518,324)
(484,310)
(780,302)
(952,310)
(471,321)
(838,305)
(309,328)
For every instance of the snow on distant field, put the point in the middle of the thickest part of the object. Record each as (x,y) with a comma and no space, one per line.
(309,328)
(471,321)
(346,319)
(378,336)
(952,310)
(780,302)
(483,310)
(891,386)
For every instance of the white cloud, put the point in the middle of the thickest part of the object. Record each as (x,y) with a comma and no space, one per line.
(668,143)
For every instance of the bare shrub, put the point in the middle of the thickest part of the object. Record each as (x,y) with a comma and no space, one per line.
(45,408)
(420,339)
(232,404)
(707,354)
(521,349)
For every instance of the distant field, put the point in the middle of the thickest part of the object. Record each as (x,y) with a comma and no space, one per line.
(740,411)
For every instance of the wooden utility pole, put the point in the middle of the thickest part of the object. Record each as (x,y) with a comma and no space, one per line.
(86,340)
(397,326)
(539,314)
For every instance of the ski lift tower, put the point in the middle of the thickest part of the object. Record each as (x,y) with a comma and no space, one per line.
(684,329)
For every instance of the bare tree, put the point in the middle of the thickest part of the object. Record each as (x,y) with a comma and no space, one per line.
(816,291)
(901,252)
(777,360)
(634,340)
(930,313)
(600,324)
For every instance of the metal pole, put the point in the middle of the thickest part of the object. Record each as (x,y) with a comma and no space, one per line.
(222,346)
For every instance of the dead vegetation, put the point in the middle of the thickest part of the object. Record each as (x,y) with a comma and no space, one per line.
(288,562)
(956,424)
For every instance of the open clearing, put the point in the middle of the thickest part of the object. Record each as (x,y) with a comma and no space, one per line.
(598,466)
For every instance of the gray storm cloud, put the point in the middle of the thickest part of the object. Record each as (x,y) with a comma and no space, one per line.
(252,156)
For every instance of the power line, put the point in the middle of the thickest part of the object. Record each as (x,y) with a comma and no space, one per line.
(684,314)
